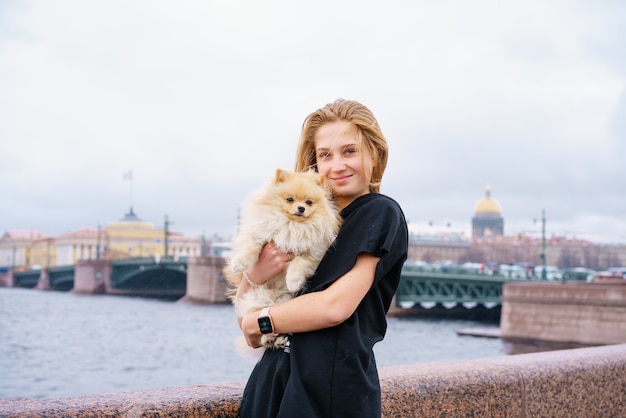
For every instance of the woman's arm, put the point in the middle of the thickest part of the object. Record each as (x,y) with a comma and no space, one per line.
(318,310)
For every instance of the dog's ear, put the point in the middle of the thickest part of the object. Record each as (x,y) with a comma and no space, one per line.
(321,179)
(281,175)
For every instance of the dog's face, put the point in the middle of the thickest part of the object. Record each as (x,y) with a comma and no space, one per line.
(300,195)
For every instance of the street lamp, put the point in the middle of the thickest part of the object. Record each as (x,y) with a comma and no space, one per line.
(98,244)
(166,233)
(543,244)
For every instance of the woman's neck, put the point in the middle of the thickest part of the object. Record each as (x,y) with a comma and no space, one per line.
(343,201)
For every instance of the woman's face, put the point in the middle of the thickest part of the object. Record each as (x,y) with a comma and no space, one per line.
(346,164)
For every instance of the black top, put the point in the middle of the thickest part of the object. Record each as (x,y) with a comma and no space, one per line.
(332,372)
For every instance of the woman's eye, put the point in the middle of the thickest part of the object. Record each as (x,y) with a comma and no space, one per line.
(323,156)
(289,199)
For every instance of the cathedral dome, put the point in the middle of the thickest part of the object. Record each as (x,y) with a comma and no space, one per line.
(487,205)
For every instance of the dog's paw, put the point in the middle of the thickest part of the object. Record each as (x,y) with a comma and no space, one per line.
(294,278)
(267,340)
(281,341)
(243,258)
(297,272)
(238,265)
(294,282)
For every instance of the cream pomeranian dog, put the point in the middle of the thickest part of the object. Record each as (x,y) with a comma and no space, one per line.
(296,213)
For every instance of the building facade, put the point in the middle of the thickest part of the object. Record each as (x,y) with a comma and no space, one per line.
(22,248)
(128,237)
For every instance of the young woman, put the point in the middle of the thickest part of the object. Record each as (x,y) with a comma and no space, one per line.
(328,368)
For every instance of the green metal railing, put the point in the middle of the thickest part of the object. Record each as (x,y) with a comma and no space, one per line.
(435,287)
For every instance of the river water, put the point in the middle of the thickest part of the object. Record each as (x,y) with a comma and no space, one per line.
(57,344)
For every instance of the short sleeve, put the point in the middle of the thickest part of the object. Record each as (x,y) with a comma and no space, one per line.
(387,235)
(373,224)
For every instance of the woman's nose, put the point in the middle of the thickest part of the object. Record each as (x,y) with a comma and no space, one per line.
(338,164)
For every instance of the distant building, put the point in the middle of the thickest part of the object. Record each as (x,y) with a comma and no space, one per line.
(20,248)
(431,243)
(489,244)
(126,238)
(487,220)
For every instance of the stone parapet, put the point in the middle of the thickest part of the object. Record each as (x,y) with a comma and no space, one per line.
(580,382)
(570,312)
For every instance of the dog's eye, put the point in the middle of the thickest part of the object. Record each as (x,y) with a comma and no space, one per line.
(289,199)
(309,202)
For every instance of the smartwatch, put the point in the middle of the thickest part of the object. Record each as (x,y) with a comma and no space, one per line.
(265,322)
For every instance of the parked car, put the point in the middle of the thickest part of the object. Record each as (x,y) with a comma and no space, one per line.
(551,273)
(617,271)
(511,271)
(444,266)
(613,273)
(472,268)
(413,265)
(578,273)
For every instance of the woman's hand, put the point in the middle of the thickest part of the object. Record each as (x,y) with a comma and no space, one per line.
(271,262)
(250,328)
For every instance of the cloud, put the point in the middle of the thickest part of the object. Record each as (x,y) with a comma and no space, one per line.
(203,100)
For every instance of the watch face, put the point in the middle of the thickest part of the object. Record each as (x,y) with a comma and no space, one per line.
(265,325)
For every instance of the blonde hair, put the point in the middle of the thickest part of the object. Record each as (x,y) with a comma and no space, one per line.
(369,135)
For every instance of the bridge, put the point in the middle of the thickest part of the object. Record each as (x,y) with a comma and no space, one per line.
(56,278)
(448,289)
(171,278)
(149,277)
(134,276)
(26,278)
(455,292)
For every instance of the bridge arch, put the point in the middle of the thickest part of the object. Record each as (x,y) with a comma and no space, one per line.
(139,277)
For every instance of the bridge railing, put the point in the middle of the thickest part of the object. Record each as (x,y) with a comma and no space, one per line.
(436,287)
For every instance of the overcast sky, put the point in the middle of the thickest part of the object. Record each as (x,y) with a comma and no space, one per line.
(202,100)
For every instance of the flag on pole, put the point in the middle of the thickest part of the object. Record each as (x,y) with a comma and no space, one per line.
(128,175)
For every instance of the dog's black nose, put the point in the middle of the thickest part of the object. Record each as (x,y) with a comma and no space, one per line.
(301,209)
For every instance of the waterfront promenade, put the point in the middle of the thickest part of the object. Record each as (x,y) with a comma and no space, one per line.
(584,382)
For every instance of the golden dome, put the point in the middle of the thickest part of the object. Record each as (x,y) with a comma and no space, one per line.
(487,204)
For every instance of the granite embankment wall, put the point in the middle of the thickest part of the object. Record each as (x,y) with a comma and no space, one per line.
(583,382)
(570,312)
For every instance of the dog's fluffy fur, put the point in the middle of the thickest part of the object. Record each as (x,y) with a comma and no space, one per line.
(296,213)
